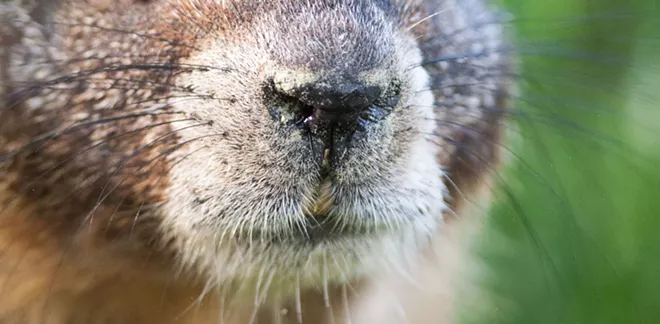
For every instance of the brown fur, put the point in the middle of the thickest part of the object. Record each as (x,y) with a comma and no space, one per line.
(103,119)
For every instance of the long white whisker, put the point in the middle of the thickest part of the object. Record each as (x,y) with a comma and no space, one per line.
(427,18)
(298,300)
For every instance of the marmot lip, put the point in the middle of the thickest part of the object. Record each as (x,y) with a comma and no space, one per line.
(315,230)
(324,228)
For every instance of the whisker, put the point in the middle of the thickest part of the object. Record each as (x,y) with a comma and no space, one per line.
(137,214)
(563,201)
(257,295)
(78,125)
(95,57)
(128,32)
(430,16)
(151,143)
(562,124)
(90,147)
(197,302)
(326,294)
(347,307)
(519,211)
(103,195)
(298,300)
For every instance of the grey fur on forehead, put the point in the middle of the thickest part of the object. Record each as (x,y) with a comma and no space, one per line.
(342,35)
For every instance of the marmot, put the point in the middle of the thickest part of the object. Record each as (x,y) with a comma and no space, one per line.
(239,161)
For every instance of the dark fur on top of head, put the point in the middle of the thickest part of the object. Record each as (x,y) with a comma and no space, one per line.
(140,149)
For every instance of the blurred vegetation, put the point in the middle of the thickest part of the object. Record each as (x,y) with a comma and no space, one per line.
(574,236)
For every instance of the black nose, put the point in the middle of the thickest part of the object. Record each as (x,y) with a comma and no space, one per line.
(332,100)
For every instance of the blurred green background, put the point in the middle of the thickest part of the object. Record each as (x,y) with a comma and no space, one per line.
(574,235)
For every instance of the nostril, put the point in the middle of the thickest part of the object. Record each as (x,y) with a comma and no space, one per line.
(338,98)
(331,103)
(326,100)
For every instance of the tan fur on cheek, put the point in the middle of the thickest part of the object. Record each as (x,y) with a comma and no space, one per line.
(47,277)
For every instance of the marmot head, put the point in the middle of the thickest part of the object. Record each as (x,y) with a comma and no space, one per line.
(306,139)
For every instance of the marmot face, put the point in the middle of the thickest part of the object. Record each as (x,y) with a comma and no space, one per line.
(316,144)
(300,141)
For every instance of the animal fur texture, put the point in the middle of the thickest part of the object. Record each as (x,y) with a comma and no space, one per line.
(158,166)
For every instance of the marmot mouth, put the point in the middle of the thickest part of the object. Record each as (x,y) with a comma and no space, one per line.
(320,224)
(315,230)
(324,228)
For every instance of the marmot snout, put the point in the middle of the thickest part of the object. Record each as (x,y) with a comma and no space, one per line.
(237,161)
